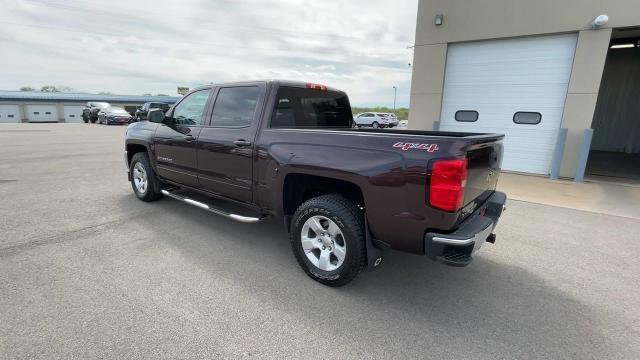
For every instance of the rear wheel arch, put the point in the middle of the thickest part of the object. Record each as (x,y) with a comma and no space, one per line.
(299,187)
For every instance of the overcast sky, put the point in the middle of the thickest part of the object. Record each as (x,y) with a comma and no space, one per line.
(144,46)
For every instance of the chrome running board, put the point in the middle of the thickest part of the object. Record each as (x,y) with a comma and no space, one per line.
(202,205)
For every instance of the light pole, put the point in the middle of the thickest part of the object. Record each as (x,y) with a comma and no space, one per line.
(395,90)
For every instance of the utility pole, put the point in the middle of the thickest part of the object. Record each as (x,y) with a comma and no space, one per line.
(395,90)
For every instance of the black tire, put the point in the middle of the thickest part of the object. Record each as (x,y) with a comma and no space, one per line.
(344,213)
(375,125)
(154,186)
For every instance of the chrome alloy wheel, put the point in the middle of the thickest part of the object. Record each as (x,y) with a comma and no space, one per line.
(323,243)
(140,178)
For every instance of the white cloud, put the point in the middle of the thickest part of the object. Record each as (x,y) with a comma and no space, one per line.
(143,46)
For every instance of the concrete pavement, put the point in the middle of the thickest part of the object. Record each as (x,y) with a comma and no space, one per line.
(88,271)
(605,197)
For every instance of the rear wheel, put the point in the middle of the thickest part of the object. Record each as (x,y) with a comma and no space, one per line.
(327,239)
(144,180)
(375,125)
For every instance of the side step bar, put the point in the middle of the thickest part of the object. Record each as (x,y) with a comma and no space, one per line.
(236,217)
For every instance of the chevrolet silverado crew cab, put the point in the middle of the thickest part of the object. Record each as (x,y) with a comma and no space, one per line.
(248,151)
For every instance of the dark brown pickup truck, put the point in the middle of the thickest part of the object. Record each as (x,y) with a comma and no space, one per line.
(253,150)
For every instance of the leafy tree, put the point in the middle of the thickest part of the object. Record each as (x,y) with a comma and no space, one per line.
(49,88)
(27,88)
(59,88)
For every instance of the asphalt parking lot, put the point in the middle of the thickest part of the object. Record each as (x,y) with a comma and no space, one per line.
(89,271)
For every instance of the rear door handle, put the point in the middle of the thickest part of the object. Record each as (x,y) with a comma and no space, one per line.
(241,143)
(189,138)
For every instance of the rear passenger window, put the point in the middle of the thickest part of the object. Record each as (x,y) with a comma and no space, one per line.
(235,106)
(466,115)
(527,118)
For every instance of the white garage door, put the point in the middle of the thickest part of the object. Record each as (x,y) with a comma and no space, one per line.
(73,114)
(516,87)
(42,113)
(9,114)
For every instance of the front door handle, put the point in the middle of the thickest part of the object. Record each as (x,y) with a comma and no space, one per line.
(241,143)
(189,138)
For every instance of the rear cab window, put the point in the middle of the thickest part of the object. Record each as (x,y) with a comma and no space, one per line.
(310,108)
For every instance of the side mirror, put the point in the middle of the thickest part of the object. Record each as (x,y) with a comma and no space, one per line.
(155,115)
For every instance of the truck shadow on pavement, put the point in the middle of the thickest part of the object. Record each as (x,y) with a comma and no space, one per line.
(410,304)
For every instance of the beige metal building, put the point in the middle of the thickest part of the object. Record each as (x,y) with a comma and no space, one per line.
(530,69)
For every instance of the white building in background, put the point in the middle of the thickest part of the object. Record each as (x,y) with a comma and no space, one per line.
(33,106)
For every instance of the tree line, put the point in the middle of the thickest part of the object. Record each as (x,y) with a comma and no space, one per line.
(68,89)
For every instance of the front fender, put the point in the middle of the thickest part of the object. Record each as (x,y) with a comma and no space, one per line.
(142,133)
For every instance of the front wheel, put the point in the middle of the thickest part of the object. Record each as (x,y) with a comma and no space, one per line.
(144,181)
(327,239)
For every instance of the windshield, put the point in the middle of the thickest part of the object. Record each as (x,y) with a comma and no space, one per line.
(309,108)
(117,110)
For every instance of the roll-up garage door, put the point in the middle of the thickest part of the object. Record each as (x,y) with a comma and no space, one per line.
(516,87)
(10,114)
(42,113)
(73,113)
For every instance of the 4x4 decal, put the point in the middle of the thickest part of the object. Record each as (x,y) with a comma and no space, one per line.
(406,146)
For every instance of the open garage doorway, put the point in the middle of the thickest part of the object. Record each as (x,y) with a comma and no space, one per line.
(615,148)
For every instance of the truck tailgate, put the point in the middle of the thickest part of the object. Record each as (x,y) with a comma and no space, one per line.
(484,162)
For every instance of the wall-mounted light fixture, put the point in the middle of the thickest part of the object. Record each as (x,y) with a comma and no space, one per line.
(439,19)
(599,21)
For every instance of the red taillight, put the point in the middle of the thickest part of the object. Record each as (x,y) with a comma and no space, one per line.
(448,180)
(316,87)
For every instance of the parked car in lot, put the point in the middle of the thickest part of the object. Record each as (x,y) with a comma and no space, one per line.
(114,115)
(91,110)
(248,151)
(375,120)
(393,119)
(141,113)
